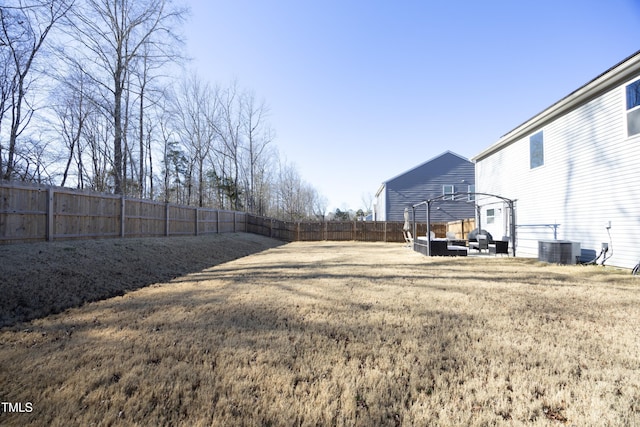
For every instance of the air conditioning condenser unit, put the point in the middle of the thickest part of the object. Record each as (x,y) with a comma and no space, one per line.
(558,251)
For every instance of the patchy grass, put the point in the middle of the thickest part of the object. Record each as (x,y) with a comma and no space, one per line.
(331,333)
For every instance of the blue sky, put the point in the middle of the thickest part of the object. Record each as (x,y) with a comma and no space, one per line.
(361,91)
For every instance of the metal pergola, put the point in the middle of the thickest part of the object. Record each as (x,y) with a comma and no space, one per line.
(451,197)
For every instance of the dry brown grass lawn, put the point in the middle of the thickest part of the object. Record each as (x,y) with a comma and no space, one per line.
(331,333)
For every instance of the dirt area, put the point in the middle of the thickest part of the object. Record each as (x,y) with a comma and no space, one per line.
(38,279)
(317,333)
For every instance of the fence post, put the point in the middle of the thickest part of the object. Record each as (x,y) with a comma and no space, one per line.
(166,220)
(50,214)
(234,221)
(122,216)
(218,221)
(196,220)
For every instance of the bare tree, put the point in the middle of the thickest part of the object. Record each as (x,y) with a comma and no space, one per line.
(24,27)
(264,174)
(149,88)
(320,207)
(296,198)
(228,130)
(112,36)
(7,87)
(196,111)
(143,75)
(97,133)
(367,203)
(72,108)
(149,128)
(257,134)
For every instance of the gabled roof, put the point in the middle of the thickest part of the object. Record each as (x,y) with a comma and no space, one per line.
(614,76)
(433,159)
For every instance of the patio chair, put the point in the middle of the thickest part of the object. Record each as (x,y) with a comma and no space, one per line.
(499,247)
(481,244)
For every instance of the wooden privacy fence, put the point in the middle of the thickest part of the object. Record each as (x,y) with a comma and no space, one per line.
(32,213)
(461,228)
(364,231)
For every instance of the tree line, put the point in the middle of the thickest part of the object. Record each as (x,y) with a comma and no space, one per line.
(93,95)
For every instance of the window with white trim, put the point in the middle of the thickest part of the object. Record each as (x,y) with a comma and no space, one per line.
(491,216)
(447,192)
(633,108)
(471,189)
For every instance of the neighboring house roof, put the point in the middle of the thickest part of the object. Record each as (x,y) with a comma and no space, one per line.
(614,76)
(419,166)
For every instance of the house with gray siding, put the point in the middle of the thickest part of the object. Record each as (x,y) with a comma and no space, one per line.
(573,171)
(444,175)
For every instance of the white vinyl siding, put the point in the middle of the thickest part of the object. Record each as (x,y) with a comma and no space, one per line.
(632,93)
(381,206)
(589,178)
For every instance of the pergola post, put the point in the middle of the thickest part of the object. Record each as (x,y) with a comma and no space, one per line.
(413,220)
(512,226)
(428,228)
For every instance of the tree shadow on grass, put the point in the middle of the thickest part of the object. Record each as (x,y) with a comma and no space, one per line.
(48,278)
(251,362)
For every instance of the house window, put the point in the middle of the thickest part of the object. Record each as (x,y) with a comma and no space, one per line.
(472,193)
(633,108)
(491,216)
(536,150)
(447,192)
